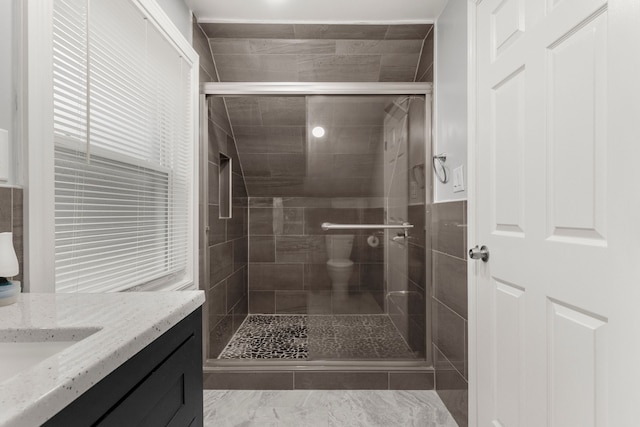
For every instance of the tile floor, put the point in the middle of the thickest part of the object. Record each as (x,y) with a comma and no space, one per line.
(317,337)
(326,408)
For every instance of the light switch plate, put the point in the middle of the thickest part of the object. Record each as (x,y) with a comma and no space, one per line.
(458,179)
(4,155)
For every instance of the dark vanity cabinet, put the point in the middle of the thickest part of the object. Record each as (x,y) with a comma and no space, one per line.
(159,386)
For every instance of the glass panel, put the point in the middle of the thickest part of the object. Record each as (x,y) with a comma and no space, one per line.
(406,292)
(336,295)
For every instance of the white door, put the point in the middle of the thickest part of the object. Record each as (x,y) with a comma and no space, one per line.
(557,325)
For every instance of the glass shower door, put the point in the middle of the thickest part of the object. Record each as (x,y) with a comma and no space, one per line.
(380,312)
(352,294)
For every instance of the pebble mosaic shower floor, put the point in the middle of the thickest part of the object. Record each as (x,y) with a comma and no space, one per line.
(317,337)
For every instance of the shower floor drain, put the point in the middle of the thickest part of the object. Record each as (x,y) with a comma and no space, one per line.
(317,337)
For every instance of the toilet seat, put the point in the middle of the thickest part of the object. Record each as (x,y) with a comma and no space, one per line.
(340,263)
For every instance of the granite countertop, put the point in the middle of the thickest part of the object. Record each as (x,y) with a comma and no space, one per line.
(116,326)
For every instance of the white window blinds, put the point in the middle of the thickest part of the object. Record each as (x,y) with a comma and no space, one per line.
(123,150)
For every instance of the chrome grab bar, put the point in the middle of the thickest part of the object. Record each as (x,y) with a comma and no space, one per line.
(330,226)
(405,226)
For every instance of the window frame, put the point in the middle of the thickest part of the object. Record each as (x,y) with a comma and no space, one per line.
(39,242)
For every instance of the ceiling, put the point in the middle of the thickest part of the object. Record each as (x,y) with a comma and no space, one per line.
(317,11)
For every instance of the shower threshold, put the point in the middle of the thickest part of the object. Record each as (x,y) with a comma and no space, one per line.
(317,375)
(214,365)
(291,352)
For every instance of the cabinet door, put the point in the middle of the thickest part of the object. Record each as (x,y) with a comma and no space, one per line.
(165,398)
(159,386)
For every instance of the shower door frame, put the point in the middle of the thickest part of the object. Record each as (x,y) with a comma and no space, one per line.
(314,88)
(328,88)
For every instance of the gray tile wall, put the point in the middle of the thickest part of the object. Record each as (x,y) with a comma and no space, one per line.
(449,306)
(317,31)
(259,52)
(424,72)
(11,220)
(287,258)
(201,45)
(279,159)
(227,284)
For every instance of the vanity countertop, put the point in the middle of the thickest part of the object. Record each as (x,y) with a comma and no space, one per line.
(116,326)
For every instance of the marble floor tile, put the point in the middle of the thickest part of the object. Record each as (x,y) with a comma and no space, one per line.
(325,408)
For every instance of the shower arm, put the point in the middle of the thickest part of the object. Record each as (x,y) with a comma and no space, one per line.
(405,226)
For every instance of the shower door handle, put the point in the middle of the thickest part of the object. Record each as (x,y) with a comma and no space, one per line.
(479,253)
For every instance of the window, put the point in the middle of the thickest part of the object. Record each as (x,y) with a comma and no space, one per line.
(123,97)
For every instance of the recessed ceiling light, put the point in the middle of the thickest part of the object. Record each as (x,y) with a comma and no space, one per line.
(318,131)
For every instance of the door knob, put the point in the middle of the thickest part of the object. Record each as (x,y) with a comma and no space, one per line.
(479,253)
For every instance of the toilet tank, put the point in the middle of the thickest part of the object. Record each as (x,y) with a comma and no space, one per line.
(339,246)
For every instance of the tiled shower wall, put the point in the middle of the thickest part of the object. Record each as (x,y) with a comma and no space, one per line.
(201,45)
(225,245)
(321,53)
(425,64)
(287,259)
(227,290)
(449,305)
(11,220)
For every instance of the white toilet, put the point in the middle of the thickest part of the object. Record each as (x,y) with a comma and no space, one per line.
(339,266)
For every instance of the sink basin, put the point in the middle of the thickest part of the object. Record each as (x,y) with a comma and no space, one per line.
(21,349)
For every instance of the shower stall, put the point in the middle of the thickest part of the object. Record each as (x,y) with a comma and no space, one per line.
(313,243)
